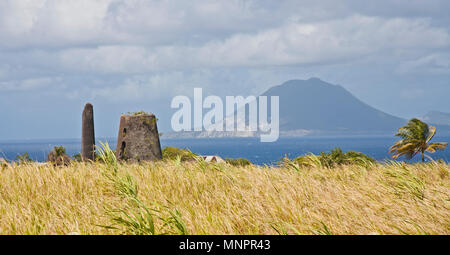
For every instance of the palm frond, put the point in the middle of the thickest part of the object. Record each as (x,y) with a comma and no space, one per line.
(436,146)
(431,133)
(415,135)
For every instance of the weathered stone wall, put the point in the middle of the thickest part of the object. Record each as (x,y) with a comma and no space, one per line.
(138,138)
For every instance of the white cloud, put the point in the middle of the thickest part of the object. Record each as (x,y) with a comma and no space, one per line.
(140,87)
(40,23)
(138,36)
(29,84)
(151,86)
(169,42)
(79,23)
(436,63)
(328,42)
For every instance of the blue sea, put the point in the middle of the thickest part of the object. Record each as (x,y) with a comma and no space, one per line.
(249,148)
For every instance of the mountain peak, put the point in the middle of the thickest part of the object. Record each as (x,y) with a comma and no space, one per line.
(314,104)
(311,83)
(315,79)
(312,80)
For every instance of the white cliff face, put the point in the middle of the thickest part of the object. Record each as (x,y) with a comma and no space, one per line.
(210,134)
(225,134)
(297,132)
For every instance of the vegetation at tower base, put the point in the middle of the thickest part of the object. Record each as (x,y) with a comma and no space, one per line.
(416,136)
(172,153)
(77,157)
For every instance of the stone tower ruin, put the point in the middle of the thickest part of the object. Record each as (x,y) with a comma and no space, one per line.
(138,138)
(87,133)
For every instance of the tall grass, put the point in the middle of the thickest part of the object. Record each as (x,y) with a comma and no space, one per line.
(135,217)
(176,197)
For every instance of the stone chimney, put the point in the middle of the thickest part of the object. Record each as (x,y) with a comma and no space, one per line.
(87,134)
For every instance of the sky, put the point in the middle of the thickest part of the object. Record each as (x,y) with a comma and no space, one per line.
(131,55)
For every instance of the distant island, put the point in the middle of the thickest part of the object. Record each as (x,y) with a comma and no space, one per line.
(315,107)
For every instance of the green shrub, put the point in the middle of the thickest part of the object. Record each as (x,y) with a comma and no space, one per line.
(334,158)
(140,113)
(24,158)
(172,153)
(77,157)
(354,157)
(58,156)
(60,151)
(238,161)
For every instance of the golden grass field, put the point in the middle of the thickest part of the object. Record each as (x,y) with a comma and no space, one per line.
(173,197)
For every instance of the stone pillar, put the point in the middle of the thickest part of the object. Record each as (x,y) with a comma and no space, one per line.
(87,134)
(138,138)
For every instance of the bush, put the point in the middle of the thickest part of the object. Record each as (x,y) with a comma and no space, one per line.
(138,113)
(359,158)
(172,153)
(238,161)
(334,158)
(58,156)
(77,157)
(4,163)
(60,151)
(24,158)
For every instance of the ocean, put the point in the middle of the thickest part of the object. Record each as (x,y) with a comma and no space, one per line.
(249,148)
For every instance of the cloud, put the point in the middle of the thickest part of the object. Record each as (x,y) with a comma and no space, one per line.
(326,42)
(131,49)
(294,43)
(143,87)
(84,23)
(29,84)
(40,23)
(436,63)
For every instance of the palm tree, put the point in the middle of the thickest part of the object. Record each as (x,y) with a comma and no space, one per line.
(416,136)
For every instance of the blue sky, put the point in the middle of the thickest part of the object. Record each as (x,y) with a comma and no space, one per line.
(131,55)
